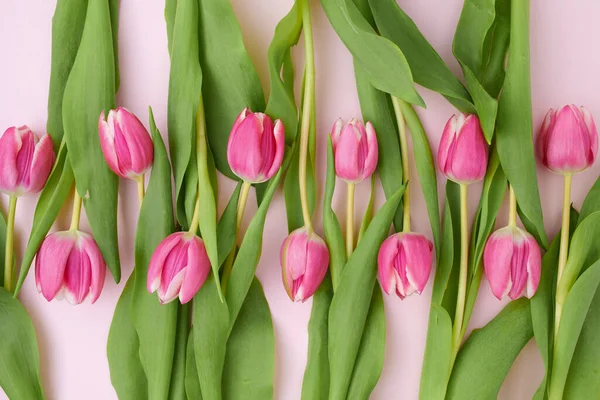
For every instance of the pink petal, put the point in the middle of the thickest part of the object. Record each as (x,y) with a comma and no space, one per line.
(336,132)
(446,144)
(388,253)
(170,293)
(41,165)
(197,270)
(418,252)
(497,259)
(373,154)
(346,155)
(97,264)
(279,135)
(78,276)
(10,144)
(593,134)
(469,158)
(157,261)
(316,268)
(244,150)
(51,262)
(534,266)
(138,143)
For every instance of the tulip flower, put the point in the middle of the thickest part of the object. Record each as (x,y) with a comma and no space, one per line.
(463,151)
(304,262)
(355,150)
(69,265)
(126,144)
(25,161)
(512,262)
(404,264)
(255,148)
(568,140)
(178,268)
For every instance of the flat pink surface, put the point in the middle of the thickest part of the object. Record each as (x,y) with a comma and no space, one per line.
(565,65)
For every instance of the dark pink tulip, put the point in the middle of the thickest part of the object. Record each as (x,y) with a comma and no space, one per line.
(69,265)
(178,268)
(126,144)
(355,150)
(304,263)
(255,148)
(25,161)
(512,263)
(404,263)
(568,140)
(463,151)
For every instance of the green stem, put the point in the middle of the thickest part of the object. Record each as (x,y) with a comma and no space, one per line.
(464,271)
(564,249)
(8,254)
(405,165)
(76,216)
(140,189)
(241,207)
(309,96)
(350,220)
(196,217)
(512,214)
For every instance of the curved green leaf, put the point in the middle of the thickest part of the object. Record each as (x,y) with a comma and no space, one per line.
(177,387)
(438,355)
(192,385)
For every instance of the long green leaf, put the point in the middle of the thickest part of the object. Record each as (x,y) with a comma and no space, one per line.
(177,387)
(438,355)
(90,90)
(351,301)
(192,385)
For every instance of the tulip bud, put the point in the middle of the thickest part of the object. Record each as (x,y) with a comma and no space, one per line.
(404,263)
(355,150)
(178,267)
(463,151)
(25,161)
(512,261)
(126,144)
(568,140)
(255,148)
(304,263)
(69,265)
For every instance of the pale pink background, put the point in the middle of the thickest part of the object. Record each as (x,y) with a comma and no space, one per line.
(565,65)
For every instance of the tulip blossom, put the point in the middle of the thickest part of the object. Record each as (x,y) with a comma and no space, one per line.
(255,148)
(69,265)
(568,140)
(178,267)
(512,263)
(355,150)
(304,262)
(404,263)
(463,151)
(126,144)
(25,161)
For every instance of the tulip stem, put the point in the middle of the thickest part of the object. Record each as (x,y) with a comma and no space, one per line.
(405,165)
(8,252)
(196,217)
(140,189)
(76,216)
(564,247)
(512,214)
(307,107)
(350,220)
(464,270)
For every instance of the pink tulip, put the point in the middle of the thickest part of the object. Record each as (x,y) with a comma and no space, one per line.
(355,150)
(463,151)
(178,268)
(126,144)
(304,263)
(568,140)
(25,161)
(512,261)
(69,265)
(404,263)
(255,148)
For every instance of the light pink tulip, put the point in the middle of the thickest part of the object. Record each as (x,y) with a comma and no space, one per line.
(126,144)
(255,148)
(69,265)
(178,268)
(512,263)
(355,150)
(304,263)
(463,151)
(404,263)
(25,161)
(568,140)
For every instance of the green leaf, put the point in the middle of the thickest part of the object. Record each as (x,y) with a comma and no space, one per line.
(48,206)
(2,248)
(383,62)
(177,388)
(368,215)
(192,385)
(291,190)
(249,364)
(494,51)
(231,82)
(19,355)
(576,308)
(170,11)
(428,68)
(514,124)
(351,301)
(486,357)
(376,107)
(438,355)
(315,385)
(90,90)
(371,354)
(226,228)
(591,202)
(67,28)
